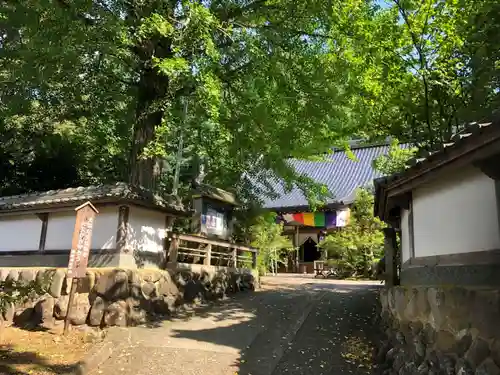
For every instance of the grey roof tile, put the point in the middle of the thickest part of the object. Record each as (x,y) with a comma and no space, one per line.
(341,175)
(95,193)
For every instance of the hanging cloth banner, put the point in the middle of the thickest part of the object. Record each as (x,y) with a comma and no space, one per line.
(330,219)
(343,218)
(317,219)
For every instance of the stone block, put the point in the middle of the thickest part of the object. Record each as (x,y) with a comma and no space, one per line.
(8,315)
(449,309)
(484,310)
(89,282)
(166,287)
(488,367)
(113,285)
(478,352)
(28,275)
(13,275)
(136,312)
(384,303)
(411,311)
(116,314)
(61,307)
(464,342)
(44,311)
(495,351)
(3,273)
(391,300)
(444,342)
(97,311)
(24,317)
(463,368)
(151,276)
(44,277)
(57,282)
(80,309)
(149,290)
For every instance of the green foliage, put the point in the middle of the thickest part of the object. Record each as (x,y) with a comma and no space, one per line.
(94,91)
(256,76)
(16,292)
(354,248)
(424,67)
(273,247)
(395,160)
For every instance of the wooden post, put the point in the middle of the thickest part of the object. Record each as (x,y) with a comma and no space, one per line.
(122,228)
(174,250)
(298,249)
(391,277)
(208,255)
(74,283)
(43,232)
(254,259)
(235,257)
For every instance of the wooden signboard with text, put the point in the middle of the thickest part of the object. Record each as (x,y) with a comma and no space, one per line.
(82,237)
(80,250)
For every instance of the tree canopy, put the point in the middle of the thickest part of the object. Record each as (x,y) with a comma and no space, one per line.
(96,91)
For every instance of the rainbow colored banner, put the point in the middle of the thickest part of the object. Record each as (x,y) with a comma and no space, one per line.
(311,219)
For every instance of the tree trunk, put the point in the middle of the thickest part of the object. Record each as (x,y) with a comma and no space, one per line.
(153,89)
(145,172)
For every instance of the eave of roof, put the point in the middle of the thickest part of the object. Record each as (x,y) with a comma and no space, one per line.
(474,143)
(119,192)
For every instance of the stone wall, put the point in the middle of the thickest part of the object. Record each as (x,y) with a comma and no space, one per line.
(120,297)
(440,330)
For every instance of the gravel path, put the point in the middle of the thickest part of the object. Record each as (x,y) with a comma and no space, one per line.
(293,326)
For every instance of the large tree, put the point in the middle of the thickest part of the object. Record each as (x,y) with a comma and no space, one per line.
(98,90)
(246,84)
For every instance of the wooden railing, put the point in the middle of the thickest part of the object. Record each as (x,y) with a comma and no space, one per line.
(185,248)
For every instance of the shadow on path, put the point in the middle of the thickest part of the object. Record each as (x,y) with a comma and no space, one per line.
(305,328)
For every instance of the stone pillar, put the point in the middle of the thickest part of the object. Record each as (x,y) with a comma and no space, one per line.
(390,248)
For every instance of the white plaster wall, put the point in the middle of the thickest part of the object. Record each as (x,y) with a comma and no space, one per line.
(147,229)
(61,225)
(405,237)
(456,214)
(20,233)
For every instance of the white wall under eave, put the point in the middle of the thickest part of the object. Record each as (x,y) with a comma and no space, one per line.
(61,225)
(405,236)
(146,229)
(20,233)
(456,214)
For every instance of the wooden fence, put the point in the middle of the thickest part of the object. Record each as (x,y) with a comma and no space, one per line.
(185,248)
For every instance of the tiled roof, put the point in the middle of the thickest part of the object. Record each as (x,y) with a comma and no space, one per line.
(465,145)
(341,175)
(424,158)
(118,191)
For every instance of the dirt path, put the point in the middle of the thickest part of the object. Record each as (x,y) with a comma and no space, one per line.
(293,326)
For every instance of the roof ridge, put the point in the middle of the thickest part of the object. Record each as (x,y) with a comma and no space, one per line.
(57,191)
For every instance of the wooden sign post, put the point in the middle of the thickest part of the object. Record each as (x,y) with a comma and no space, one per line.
(80,249)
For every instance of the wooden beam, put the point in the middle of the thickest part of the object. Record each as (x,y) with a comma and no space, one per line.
(199,239)
(122,228)
(173,251)
(208,255)
(391,277)
(44,217)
